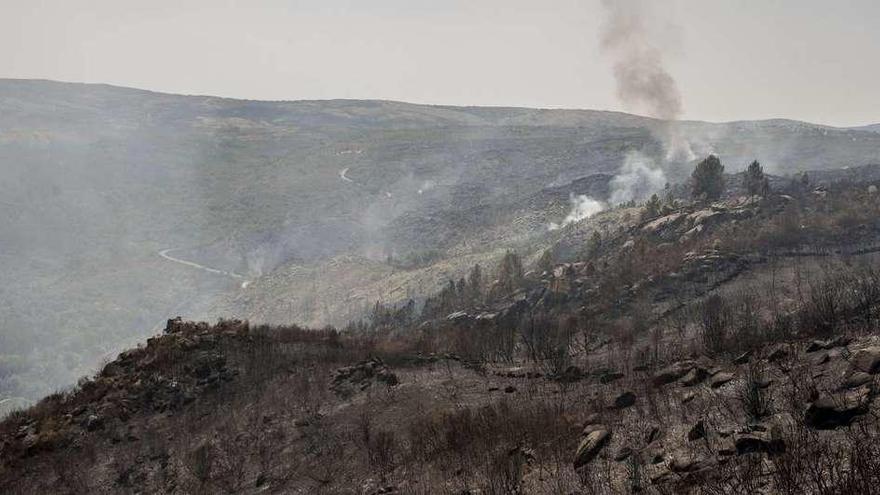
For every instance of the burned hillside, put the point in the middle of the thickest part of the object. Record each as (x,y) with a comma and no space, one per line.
(717,346)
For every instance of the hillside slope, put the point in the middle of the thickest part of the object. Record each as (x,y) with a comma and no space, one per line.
(729,347)
(96,181)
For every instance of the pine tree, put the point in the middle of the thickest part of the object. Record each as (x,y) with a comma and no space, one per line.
(652,207)
(546,261)
(708,179)
(475,281)
(510,272)
(754,181)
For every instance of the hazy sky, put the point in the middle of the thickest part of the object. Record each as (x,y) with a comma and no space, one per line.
(733,59)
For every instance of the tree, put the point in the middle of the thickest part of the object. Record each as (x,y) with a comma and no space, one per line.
(708,179)
(652,207)
(475,281)
(754,181)
(546,261)
(510,272)
(805,181)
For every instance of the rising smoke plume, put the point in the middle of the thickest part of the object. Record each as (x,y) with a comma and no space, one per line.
(582,206)
(638,178)
(629,37)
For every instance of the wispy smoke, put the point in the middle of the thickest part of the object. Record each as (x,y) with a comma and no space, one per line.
(643,83)
(637,179)
(582,206)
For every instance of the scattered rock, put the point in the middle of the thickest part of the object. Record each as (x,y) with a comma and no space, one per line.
(856,379)
(748,443)
(763,383)
(819,345)
(697,431)
(611,376)
(816,345)
(361,376)
(721,379)
(652,435)
(458,316)
(590,447)
(623,454)
(672,373)
(94,422)
(695,376)
(685,463)
(624,400)
(777,355)
(743,358)
(839,341)
(571,374)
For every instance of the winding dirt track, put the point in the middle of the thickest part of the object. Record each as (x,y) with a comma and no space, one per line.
(345,177)
(164,253)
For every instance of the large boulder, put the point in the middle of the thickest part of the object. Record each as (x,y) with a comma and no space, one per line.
(830,411)
(697,432)
(672,373)
(856,379)
(681,462)
(758,441)
(819,345)
(867,360)
(590,446)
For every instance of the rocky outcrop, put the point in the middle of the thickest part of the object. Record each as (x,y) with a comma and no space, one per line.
(361,376)
(590,446)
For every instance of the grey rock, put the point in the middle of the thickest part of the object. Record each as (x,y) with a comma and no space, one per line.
(590,447)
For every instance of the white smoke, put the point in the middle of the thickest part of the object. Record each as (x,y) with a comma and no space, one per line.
(426,186)
(638,178)
(582,206)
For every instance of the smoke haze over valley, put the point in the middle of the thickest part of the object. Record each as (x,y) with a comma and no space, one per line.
(322,207)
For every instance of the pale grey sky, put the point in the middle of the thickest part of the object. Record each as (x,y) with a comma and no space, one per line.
(733,59)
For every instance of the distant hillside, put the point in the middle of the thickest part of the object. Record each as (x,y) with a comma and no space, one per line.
(870,128)
(96,181)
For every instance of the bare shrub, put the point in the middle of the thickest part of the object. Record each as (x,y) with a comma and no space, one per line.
(752,396)
(714,319)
